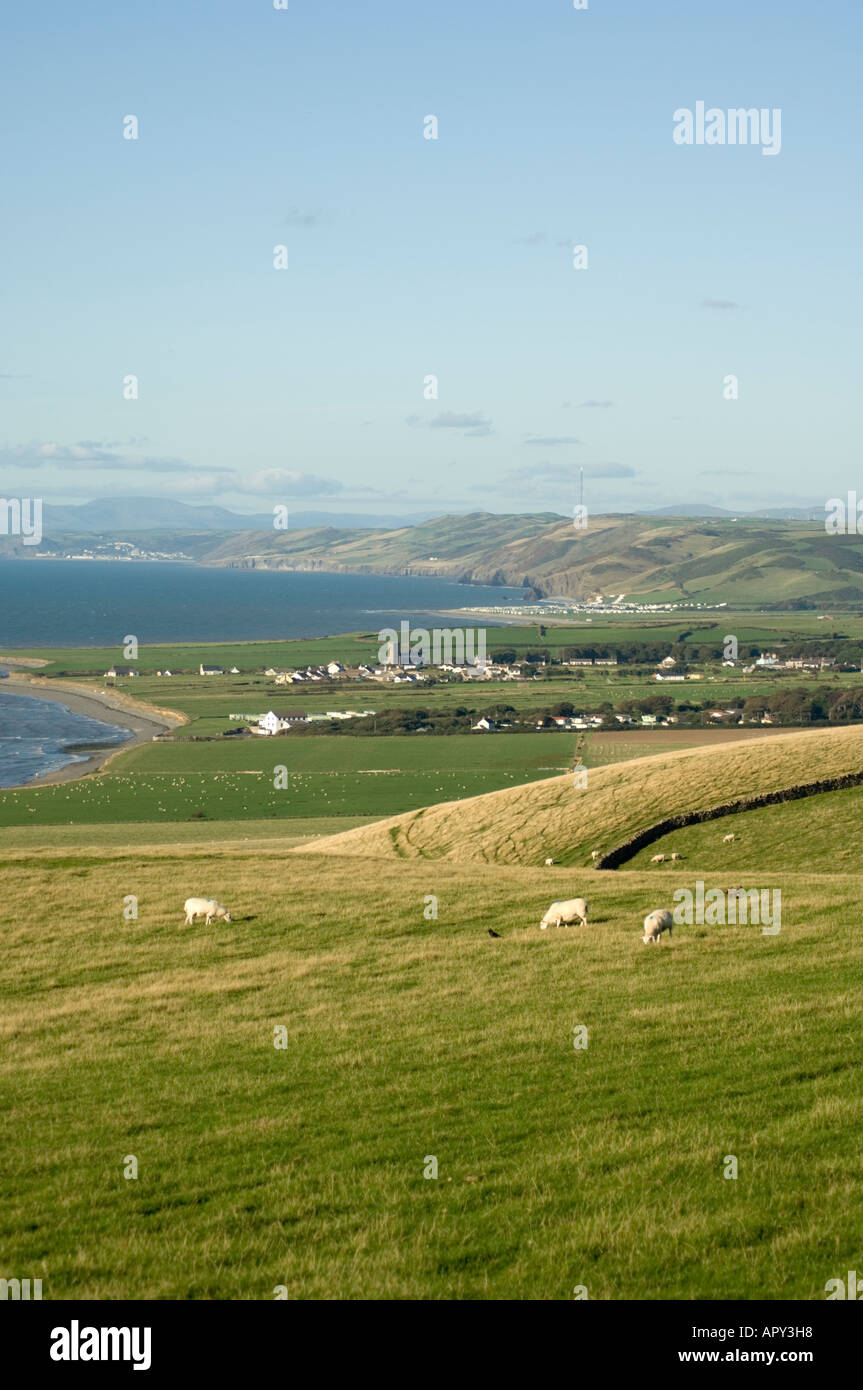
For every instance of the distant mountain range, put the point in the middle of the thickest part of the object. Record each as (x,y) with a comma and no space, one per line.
(126,514)
(746,561)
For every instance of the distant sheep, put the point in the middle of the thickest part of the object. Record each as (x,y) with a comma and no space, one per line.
(658,859)
(548,863)
(207,908)
(655,923)
(677,856)
(726,839)
(565,913)
(594,854)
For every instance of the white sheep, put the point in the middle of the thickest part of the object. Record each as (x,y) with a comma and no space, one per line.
(677,856)
(207,908)
(548,863)
(594,854)
(726,839)
(655,923)
(565,913)
(658,859)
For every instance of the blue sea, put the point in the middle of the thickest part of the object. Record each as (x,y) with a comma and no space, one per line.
(36,736)
(95,603)
(81,603)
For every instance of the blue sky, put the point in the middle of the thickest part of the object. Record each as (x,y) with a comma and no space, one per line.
(409,257)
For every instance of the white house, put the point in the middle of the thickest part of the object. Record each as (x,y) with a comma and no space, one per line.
(211,670)
(276,721)
(335,668)
(484,725)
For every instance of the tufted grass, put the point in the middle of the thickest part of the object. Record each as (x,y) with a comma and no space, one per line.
(409,1038)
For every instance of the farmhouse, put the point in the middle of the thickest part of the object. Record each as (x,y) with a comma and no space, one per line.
(484,726)
(276,721)
(211,670)
(122,671)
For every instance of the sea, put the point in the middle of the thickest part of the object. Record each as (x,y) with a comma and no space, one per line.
(83,603)
(41,736)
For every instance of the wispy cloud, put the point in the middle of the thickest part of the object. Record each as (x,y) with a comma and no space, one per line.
(471,422)
(553,478)
(189,479)
(89,454)
(285,482)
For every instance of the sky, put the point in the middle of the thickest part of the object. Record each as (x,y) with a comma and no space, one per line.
(410,258)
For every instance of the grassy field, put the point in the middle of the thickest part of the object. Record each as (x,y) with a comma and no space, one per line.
(566,821)
(181,783)
(409,1039)
(798,835)
(237,781)
(411,1035)
(351,648)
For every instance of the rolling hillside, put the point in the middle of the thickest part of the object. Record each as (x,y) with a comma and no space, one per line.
(524,825)
(710,560)
(745,561)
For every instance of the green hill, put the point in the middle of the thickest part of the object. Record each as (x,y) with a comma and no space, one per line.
(741,562)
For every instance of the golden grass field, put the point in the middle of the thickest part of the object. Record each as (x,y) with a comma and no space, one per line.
(554,818)
(412,1036)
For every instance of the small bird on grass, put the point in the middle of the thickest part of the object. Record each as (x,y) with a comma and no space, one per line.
(494,933)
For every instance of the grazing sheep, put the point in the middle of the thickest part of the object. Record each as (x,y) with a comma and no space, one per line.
(726,839)
(207,908)
(548,863)
(658,859)
(655,923)
(594,854)
(677,856)
(564,914)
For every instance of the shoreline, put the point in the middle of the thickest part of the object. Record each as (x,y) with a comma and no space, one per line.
(145,722)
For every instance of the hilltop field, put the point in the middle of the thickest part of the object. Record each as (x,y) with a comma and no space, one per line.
(411,1042)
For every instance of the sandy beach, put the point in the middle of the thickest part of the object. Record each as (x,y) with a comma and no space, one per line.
(145,722)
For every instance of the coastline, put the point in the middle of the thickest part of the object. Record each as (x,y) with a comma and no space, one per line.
(145,722)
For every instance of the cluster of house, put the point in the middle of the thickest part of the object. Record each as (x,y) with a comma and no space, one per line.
(576,722)
(331,671)
(126,671)
(771,661)
(393,674)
